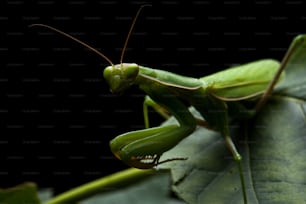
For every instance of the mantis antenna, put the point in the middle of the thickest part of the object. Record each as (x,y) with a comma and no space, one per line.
(91,48)
(76,40)
(130,32)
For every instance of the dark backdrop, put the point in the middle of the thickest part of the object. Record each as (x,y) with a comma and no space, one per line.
(57,114)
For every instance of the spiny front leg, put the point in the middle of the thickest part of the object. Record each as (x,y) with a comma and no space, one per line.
(143,148)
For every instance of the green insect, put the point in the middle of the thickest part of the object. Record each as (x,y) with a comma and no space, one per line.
(214,96)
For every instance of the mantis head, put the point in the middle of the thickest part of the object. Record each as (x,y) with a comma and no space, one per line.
(121,76)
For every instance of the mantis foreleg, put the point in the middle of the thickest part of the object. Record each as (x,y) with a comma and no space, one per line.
(143,148)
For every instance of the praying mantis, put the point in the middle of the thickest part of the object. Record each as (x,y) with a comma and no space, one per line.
(215,96)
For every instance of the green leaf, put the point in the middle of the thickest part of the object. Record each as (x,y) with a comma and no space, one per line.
(209,175)
(277,155)
(22,194)
(272,145)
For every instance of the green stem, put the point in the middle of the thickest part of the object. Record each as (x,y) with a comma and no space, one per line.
(114,180)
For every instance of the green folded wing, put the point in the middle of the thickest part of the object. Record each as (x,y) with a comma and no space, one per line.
(242,82)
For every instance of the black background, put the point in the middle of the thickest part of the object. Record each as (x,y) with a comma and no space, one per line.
(57,114)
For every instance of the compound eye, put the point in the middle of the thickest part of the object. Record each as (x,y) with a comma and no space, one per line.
(131,71)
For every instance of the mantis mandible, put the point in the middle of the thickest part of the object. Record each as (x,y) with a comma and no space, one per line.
(214,96)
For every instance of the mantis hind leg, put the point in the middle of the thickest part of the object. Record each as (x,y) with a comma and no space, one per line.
(216,111)
(237,157)
(277,75)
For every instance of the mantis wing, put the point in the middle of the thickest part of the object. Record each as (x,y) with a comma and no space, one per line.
(242,82)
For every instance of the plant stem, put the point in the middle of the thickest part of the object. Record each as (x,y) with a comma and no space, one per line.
(118,179)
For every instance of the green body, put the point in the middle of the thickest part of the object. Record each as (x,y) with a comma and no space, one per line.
(209,95)
(214,96)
